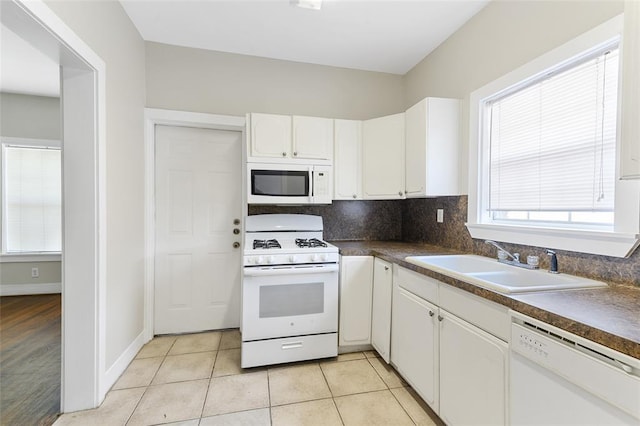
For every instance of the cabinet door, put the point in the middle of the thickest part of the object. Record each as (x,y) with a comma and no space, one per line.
(356,284)
(381,310)
(432,145)
(270,136)
(312,138)
(473,374)
(347,160)
(414,343)
(383,157)
(630,111)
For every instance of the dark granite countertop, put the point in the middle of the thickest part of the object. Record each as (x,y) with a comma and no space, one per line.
(609,316)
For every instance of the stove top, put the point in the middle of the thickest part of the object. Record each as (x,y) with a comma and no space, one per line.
(286,239)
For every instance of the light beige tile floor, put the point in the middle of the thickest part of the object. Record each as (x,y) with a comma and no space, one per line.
(196,380)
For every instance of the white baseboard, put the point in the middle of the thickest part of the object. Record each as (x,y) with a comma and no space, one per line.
(28,289)
(113,373)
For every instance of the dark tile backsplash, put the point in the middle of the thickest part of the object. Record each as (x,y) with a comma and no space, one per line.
(414,220)
(419,225)
(350,220)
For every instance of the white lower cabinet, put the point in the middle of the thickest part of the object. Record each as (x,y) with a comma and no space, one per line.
(381,307)
(356,286)
(459,369)
(414,343)
(473,374)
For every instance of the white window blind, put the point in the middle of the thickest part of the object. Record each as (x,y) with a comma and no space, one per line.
(553,141)
(33,197)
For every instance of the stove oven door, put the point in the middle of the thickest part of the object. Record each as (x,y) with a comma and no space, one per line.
(293,300)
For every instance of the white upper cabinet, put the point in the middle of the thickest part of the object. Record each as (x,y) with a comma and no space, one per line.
(270,136)
(383,157)
(347,160)
(290,138)
(630,102)
(432,148)
(312,138)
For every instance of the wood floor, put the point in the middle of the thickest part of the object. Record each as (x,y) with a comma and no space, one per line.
(30,345)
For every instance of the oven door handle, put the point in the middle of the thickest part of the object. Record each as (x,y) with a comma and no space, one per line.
(290,270)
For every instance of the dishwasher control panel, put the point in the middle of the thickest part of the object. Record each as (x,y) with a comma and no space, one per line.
(530,343)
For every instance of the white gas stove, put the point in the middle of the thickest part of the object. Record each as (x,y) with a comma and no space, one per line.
(289,291)
(285,239)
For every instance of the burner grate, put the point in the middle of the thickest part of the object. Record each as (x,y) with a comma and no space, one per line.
(266,244)
(312,242)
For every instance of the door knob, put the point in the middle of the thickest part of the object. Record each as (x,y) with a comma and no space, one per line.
(236,244)
(236,231)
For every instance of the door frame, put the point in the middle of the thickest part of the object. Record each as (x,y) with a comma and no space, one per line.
(84,382)
(152,118)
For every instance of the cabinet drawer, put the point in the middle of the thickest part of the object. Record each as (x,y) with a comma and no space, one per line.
(484,314)
(418,284)
(277,351)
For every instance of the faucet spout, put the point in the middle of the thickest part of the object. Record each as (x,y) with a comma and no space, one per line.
(515,257)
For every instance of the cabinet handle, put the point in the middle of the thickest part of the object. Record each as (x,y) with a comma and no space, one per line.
(284,154)
(400,193)
(295,154)
(386,268)
(236,221)
(431,313)
(236,245)
(355,196)
(236,231)
(440,317)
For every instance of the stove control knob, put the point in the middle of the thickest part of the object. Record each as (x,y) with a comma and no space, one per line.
(293,258)
(260,260)
(314,257)
(323,257)
(250,260)
(269,259)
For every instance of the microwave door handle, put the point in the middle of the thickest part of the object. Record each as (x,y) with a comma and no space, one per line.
(312,186)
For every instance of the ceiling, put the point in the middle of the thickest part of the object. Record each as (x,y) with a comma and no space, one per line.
(375,35)
(388,36)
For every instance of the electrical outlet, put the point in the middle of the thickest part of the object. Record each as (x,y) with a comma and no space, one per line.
(440,215)
(35,272)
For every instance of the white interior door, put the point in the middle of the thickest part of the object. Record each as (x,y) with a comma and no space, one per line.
(198,207)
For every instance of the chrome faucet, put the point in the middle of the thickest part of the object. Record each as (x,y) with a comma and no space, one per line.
(553,262)
(514,256)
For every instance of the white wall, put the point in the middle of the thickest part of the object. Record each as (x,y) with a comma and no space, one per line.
(501,37)
(224,83)
(106,28)
(27,116)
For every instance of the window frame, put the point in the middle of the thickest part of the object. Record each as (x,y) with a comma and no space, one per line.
(22,256)
(619,242)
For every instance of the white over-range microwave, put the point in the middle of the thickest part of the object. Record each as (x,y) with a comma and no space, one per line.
(289,184)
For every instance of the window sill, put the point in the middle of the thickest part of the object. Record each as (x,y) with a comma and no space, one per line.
(30,257)
(592,242)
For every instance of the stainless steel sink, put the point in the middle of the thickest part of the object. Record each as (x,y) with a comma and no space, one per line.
(490,274)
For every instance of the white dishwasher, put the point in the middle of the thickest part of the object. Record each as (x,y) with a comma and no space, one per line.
(558,378)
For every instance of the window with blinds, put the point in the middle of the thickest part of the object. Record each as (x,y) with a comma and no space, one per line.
(552,145)
(32,199)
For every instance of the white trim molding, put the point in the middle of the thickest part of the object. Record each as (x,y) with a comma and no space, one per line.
(83,79)
(154,117)
(30,257)
(123,361)
(30,289)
